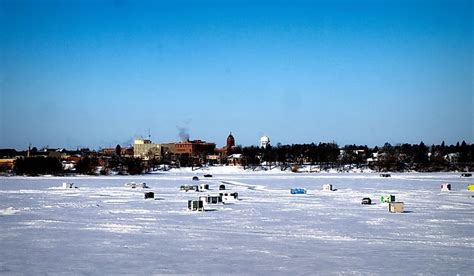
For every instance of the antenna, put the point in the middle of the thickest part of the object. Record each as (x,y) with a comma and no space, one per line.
(149,134)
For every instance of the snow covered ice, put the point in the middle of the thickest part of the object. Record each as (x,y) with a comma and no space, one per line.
(103,227)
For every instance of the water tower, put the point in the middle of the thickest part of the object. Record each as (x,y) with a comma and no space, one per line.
(264,142)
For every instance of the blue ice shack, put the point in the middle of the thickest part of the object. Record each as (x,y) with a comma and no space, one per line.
(298,191)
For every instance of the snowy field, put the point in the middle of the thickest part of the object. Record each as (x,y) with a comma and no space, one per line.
(103,227)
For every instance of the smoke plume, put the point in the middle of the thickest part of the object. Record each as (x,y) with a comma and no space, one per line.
(183,133)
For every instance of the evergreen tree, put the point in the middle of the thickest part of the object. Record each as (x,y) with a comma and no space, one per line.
(87,165)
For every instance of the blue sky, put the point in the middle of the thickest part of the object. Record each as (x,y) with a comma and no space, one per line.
(98,73)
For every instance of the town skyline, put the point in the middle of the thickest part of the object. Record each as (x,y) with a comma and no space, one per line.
(100,73)
(130,143)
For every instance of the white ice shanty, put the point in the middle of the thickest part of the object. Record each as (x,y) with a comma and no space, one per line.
(327,187)
(189,188)
(445,187)
(134,185)
(211,199)
(67,185)
(220,198)
(229,197)
(204,187)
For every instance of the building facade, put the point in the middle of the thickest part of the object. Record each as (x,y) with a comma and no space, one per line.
(145,149)
(194,148)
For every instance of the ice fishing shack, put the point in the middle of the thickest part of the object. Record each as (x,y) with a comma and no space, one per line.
(445,187)
(229,197)
(396,207)
(189,188)
(149,195)
(211,199)
(298,191)
(195,205)
(67,185)
(387,199)
(327,187)
(134,185)
(366,201)
(203,187)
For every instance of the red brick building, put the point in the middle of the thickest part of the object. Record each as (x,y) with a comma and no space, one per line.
(194,148)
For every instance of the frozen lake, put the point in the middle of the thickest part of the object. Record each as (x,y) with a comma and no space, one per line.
(103,227)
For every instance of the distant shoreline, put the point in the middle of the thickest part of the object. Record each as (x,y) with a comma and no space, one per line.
(240,170)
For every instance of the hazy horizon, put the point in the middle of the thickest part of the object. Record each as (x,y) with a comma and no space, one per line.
(101,73)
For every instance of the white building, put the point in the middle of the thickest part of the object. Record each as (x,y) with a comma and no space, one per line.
(144,149)
(264,142)
(236,159)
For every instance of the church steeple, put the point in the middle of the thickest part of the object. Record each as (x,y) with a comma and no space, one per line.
(230,141)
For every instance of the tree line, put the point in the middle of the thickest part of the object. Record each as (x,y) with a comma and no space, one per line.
(401,157)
